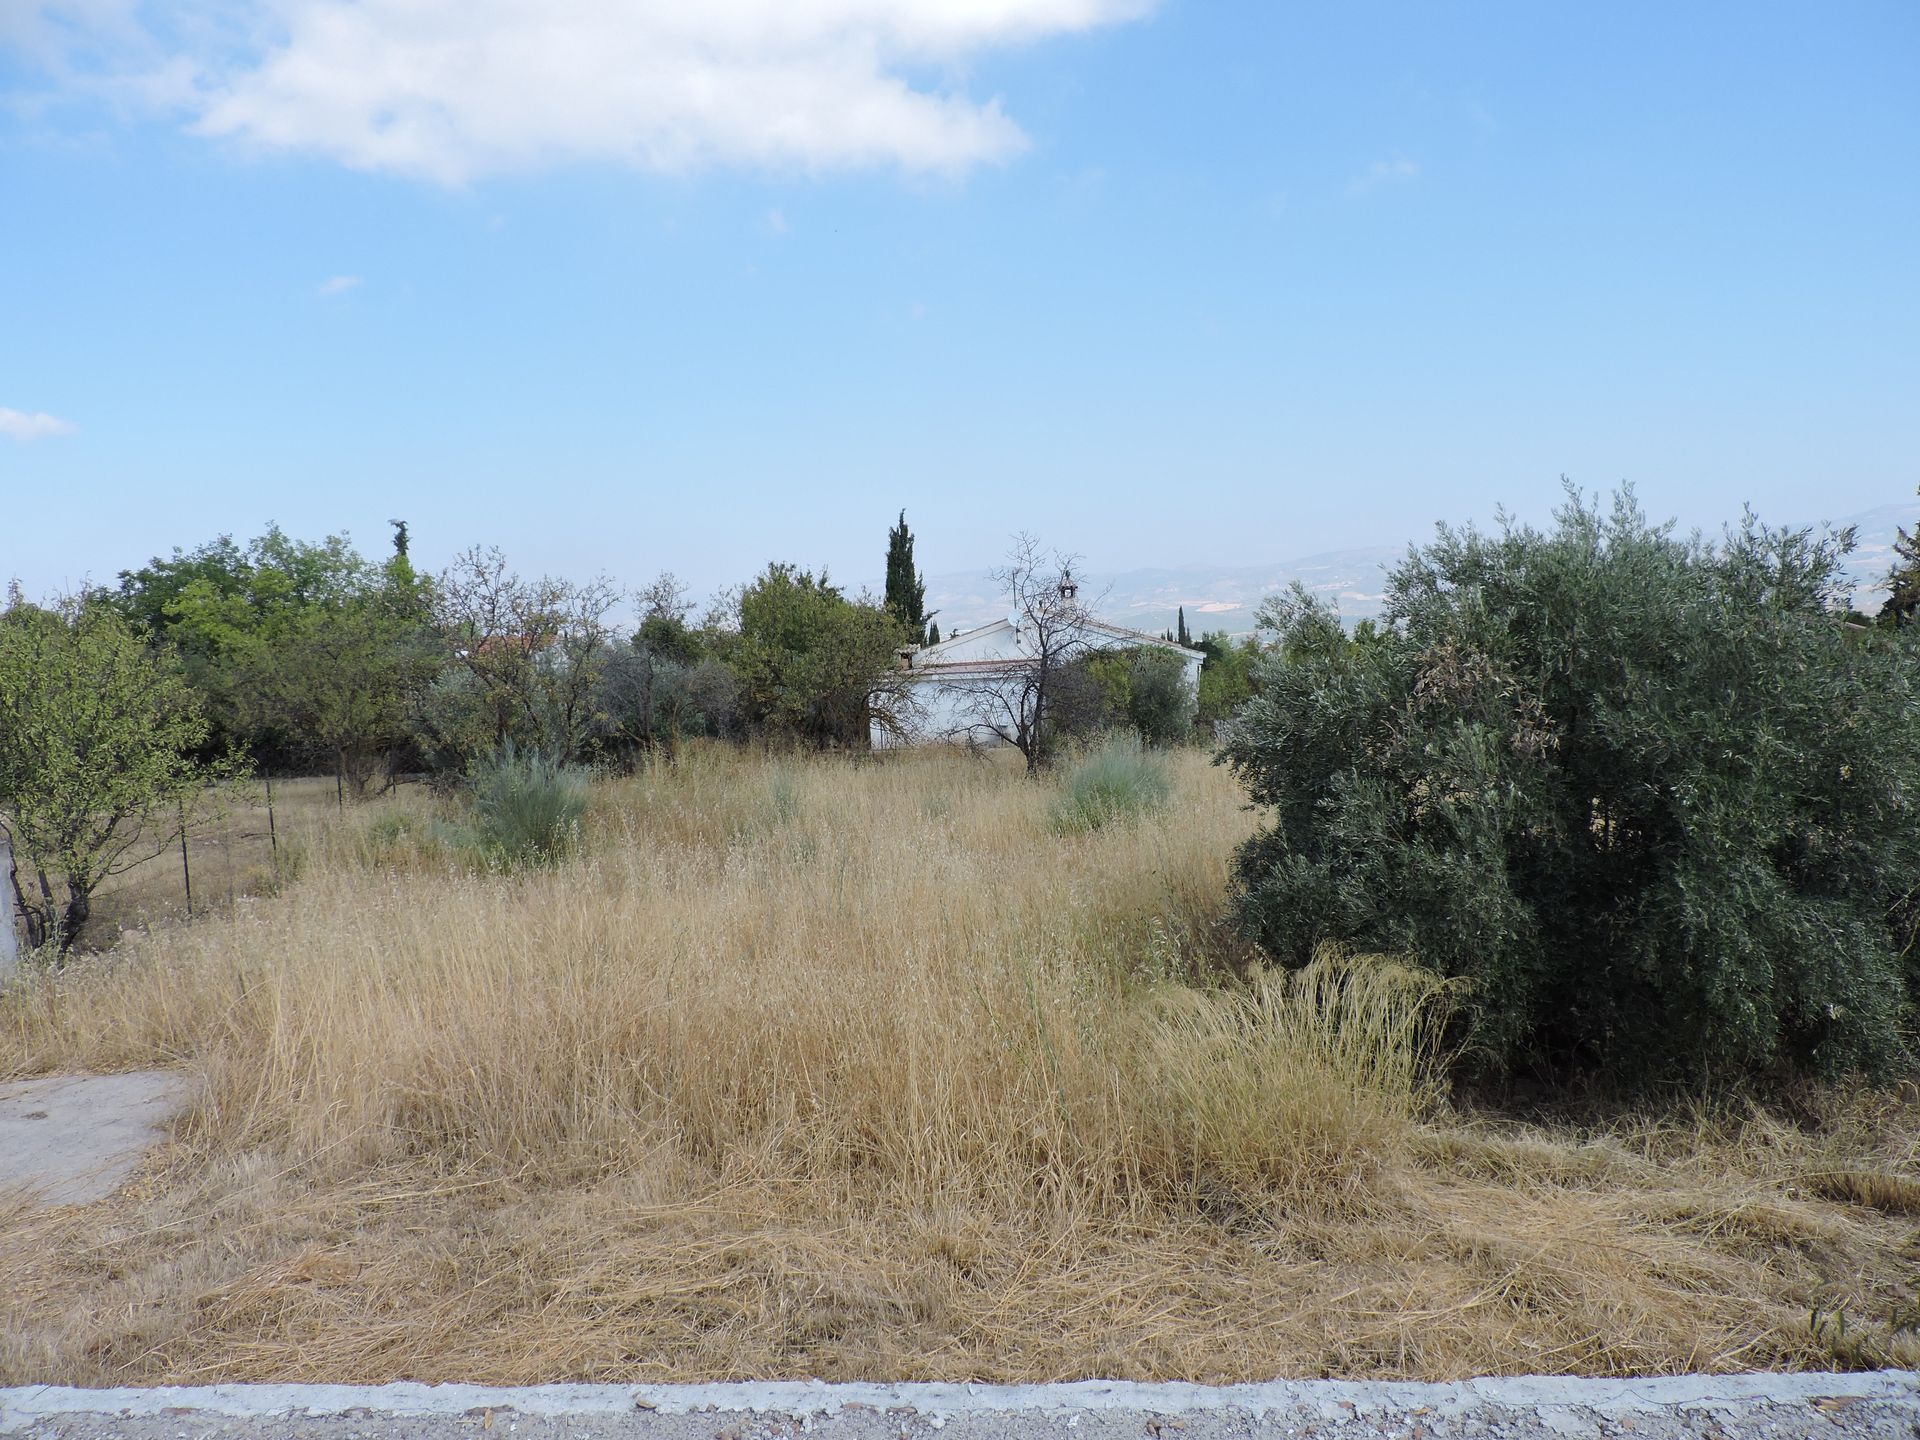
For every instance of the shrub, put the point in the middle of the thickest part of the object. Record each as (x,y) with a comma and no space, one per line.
(1115,782)
(783,791)
(1159,702)
(1085,699)
(526,808)
(1226,678)
(1646,793)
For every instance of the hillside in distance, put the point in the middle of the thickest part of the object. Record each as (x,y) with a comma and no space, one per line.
(1216,597)
(1228,597)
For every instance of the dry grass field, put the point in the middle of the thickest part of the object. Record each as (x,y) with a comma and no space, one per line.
(862,1070)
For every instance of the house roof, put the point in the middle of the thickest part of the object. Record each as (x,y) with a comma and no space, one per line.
(976,667)
(1144,638)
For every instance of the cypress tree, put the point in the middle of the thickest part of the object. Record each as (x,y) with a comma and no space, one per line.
(1903,582)
(906,598)
(933,632)
(1185,638)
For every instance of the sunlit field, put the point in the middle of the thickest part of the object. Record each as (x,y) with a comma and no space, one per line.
(808,1067)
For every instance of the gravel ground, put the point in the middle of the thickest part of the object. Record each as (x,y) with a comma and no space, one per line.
(1885,1406)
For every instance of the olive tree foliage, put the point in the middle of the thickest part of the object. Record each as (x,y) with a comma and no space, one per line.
(646,699)
(1643,792)
(98,735)
(532,654)
(1015,704)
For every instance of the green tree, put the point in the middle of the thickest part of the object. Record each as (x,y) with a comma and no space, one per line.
(1641,791)
(98,733)
(1903,583)
(1159,703)
(310,650)
(812,664)
(146,596)
(345,676)
(1088,695)
(906,593)
(1226,676)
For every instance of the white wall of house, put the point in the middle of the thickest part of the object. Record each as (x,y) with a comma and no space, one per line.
(947,705)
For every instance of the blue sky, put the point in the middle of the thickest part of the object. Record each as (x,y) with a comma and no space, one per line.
(632,287)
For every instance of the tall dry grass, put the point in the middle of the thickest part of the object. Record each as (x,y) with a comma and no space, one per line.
(814,1067)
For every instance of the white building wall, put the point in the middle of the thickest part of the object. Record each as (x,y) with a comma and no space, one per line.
(947,712)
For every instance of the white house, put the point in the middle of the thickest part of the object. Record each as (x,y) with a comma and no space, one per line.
(946,681)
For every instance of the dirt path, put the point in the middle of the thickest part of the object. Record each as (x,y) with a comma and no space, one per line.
(1884,1405)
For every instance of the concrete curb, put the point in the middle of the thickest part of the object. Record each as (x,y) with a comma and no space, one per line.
(22,1406)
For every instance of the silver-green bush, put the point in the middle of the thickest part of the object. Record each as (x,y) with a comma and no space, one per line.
(1650,796)
(1117,781)
(526,808)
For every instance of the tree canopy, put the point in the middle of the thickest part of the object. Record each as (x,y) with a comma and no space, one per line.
(98,734)
(812,664)
(1643,792)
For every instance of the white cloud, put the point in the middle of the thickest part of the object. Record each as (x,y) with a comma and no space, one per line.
(22,425)
(338,284)
(776,222)
(448,90)
(1383,172)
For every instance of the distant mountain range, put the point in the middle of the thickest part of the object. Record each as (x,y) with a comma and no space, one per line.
(1227,597)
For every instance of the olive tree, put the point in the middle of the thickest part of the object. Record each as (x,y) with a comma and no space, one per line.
(1647,794)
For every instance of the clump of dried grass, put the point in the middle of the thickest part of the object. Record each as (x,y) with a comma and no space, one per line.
(792,1072)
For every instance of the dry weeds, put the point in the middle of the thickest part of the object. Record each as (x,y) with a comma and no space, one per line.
(815,1068)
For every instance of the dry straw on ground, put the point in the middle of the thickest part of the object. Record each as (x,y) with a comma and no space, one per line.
(822,1068)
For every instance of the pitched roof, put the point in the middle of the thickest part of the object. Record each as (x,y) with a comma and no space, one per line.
(1144,638)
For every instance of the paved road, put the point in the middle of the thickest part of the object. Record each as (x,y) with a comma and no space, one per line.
(74,1139)
(1884,1406)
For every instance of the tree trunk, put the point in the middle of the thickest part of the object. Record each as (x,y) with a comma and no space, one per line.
(78,907)
(41,918)
(1035,736)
